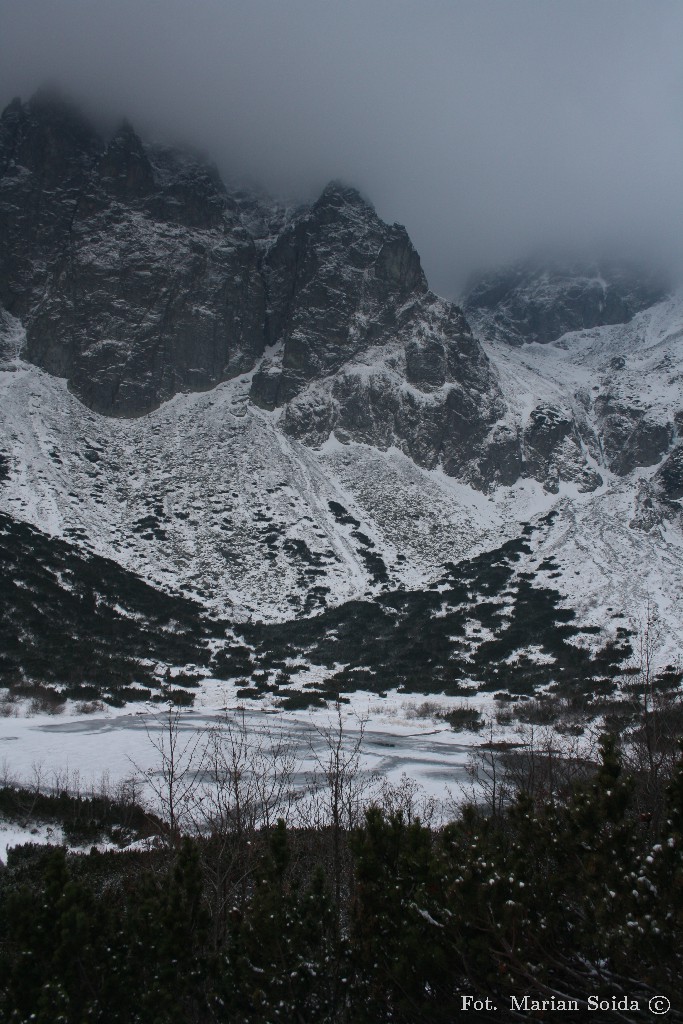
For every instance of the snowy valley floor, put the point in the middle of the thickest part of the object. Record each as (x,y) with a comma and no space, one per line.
(82,752)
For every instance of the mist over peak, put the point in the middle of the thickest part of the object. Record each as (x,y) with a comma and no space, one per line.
(488,129)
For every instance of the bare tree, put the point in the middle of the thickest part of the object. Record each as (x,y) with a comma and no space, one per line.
(248,778)
(247,786)
(409,799)
(175,781)
(547,763)
(543,765)
(489,784)
(651,745)
(340,788)
(649,638)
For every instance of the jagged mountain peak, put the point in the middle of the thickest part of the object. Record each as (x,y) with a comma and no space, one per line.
(124,167)
(338,194)
(125,137)
(14,106)
(132,273)
(50,101)
(138,275)
(49,137)
(160,280)
(51,113)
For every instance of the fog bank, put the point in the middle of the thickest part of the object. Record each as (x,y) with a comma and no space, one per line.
(487,127)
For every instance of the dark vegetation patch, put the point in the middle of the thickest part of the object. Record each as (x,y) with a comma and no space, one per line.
(90,627)
(463,718)
(84,820)
(381,920)
(149,527)
(374,563)
(316,599)
(301,699)
(343,517)
(418,641)
(375,566)
(299,549)
(362,538)
(86,626)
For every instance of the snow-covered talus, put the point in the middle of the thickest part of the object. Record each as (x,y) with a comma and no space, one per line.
(614,396)
(640,361)
(207,494)
(608,569)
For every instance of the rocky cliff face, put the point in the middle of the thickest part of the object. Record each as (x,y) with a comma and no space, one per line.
(337,278)
(137,275)
(129,266)
(363,348)
(602,420)
(46,153)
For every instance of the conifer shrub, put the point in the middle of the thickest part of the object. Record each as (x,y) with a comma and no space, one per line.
(569,890)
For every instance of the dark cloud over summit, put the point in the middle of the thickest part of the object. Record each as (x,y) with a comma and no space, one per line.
(487,127)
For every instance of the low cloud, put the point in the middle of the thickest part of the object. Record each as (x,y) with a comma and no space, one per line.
(489,128)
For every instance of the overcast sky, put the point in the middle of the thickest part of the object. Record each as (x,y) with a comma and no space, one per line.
(487,127)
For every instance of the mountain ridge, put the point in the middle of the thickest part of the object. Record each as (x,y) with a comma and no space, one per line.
(138,275)
(313,426)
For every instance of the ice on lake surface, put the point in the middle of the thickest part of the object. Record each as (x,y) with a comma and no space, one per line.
(113,743)
(81,751)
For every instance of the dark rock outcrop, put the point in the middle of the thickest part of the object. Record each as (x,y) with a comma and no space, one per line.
(337,278)
(660,498)
(669,476)
(137,275)
(129,266)
(47,150)
(363,348)
(629,437)
(553,452)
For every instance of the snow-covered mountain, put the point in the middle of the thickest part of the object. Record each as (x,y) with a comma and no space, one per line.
(267,411)
(208,496)
(542,298)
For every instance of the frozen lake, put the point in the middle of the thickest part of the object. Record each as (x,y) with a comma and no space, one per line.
(84,751)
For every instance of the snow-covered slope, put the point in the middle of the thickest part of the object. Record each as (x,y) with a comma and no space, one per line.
(313,427)
(210,496)
(544,297)
(618,387)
